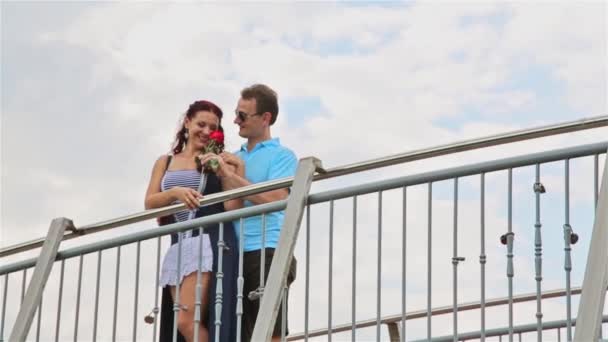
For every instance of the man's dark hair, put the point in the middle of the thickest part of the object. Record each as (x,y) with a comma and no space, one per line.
(265,98)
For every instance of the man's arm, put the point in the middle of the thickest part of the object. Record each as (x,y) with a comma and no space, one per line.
(231,180)
(284,165)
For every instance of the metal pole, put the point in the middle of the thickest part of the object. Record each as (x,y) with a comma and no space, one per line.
(39,279)
(176,302)
(57,324)
(538,190)
(39,319)
(510,271)
(23,282)
(240,282)
(455,260)
(567,251)
(117,282)
(330,271)
(354,273)
(262,259)
(77,316)
(219,289)
(379,268)
(270,303)
(156,281)
(403,264)
(136,294)
(198,301)
(482,257)
(96,310)
(4,306)
(591,304)
(284,314)
(307,275)
(429,307)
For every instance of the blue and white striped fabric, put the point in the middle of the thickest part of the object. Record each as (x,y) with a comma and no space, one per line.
(190,245)
(183,178)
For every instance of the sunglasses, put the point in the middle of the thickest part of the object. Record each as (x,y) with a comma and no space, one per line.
(243,116)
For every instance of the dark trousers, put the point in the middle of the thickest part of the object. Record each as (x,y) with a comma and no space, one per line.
(251,274)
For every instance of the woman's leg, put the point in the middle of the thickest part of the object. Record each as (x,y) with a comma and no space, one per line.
(185,318)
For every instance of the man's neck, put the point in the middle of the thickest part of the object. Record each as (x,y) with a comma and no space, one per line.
(252,142)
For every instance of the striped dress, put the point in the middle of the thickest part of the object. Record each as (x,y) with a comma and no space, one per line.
(190,246)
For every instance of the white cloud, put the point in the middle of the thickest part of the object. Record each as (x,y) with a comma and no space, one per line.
(388,79)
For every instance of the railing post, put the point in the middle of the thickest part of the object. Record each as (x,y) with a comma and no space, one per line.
(277,276)
(393,332)
(596,273)
(39,278)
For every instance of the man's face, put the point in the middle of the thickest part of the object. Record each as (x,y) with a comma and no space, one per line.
(251,123)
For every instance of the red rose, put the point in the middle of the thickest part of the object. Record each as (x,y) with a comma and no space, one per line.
(218,137)
(216,146)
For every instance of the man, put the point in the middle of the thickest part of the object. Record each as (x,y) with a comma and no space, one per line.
(263,158)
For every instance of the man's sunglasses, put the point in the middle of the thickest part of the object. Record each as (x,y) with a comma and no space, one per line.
(243,116)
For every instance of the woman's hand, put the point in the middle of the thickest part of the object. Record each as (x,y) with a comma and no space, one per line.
(188,196)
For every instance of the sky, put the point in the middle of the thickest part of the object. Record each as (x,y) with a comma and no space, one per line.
(92,93)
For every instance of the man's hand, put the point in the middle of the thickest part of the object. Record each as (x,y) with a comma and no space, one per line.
(236,162)
(223,168)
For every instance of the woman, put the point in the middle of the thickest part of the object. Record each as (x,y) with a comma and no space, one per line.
(175,179)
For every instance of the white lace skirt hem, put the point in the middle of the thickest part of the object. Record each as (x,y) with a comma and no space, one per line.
(189,261)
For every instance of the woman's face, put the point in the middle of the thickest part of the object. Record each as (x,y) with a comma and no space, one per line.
(199,128)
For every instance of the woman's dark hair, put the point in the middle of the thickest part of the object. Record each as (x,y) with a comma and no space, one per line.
(198,106)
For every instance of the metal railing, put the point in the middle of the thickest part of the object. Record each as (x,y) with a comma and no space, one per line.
(466,145)
(428,179)
(519,330)
(393,320)
(20,330)
(275,286)
(596,274)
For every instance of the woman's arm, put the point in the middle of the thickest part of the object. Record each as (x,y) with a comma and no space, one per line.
(155,198)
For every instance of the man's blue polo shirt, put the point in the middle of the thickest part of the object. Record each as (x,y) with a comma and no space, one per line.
(266,161)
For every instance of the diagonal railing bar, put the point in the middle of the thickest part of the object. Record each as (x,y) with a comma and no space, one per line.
(277,277)
(41,274)
(591,305)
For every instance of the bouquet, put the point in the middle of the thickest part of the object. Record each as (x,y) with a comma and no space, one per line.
(215,145)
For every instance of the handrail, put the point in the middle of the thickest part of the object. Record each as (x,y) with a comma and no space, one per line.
(520,329)
(464,145)
(448,309)
(151,233)
(345,192)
